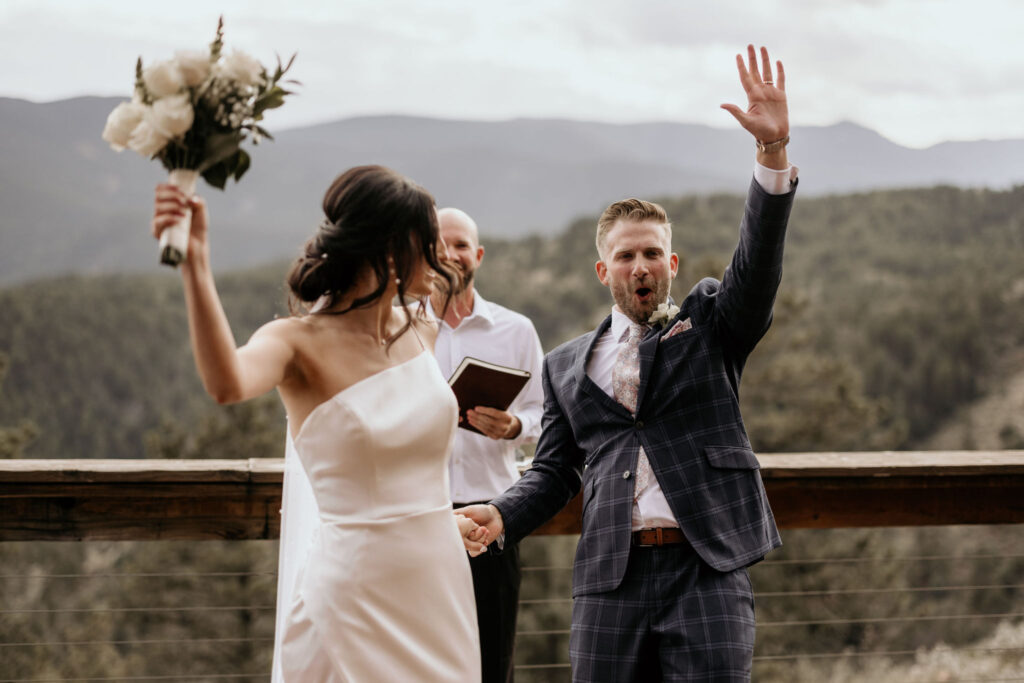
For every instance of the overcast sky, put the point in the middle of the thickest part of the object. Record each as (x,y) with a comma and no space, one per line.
(917,71)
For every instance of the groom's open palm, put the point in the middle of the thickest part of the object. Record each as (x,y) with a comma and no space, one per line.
(767,114)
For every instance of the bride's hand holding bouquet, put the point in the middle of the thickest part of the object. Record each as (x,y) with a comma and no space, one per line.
(192,113)
(171,208)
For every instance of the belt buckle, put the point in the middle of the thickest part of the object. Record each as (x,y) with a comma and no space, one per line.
(659,539)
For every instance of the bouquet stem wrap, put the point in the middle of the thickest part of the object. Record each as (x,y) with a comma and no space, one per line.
(174,240)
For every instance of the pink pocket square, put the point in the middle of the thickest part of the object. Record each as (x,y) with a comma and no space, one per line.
(678,328)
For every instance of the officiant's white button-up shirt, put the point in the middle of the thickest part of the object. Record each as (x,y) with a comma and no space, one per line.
(482,468)
(650,508)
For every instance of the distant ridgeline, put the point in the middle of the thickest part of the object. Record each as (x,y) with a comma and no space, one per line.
(71,205)
(896,308)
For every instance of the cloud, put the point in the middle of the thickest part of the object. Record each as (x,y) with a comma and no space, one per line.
(917,70)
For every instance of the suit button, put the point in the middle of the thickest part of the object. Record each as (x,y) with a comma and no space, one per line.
(625,475)
(639,424)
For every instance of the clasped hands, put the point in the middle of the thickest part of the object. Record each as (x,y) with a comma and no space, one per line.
(479,525)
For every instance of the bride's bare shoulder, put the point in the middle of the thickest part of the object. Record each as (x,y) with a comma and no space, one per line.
(288,329)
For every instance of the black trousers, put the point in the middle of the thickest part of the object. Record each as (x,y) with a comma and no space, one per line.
(496,578)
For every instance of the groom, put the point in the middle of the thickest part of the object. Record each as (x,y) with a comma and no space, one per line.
(644,413)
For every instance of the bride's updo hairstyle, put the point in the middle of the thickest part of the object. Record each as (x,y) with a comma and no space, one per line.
(372,213)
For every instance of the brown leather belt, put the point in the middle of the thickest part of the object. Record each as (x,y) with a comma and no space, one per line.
(659,536)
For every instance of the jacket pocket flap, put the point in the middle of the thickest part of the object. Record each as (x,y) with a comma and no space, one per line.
(731,457)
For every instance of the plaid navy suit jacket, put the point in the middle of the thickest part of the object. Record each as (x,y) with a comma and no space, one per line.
(688,421)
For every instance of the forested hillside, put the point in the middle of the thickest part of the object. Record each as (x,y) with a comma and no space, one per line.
(896,308)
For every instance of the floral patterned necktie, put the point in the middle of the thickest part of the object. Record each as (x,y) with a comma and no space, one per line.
(625,387)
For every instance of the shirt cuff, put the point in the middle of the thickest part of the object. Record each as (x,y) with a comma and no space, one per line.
(774,181)
(528,432)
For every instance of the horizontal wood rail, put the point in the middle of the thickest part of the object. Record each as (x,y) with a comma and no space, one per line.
(73,500)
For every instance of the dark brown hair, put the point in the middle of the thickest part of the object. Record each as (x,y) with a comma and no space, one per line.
(374,217)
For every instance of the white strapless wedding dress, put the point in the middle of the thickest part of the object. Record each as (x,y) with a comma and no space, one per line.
(385,591)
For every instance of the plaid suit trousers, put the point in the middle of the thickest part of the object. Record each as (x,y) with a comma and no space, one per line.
(673,618)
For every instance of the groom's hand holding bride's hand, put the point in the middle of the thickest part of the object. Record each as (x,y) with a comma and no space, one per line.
(474,536)
(487,519)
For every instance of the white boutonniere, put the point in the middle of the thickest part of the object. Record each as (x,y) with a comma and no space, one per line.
(663,313)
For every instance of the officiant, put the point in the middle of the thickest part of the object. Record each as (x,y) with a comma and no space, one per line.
(483,465)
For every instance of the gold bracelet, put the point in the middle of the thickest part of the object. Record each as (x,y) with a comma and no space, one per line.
(769,147)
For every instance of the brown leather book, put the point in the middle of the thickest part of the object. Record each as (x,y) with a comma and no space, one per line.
(479,383)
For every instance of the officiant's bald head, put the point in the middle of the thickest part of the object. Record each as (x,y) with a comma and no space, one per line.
(462,240)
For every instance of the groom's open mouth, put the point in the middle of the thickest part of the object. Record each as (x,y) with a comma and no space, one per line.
(644,294)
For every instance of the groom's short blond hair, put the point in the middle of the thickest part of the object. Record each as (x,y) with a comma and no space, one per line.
(630,210)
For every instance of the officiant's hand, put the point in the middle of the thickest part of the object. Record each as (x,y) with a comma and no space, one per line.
(497,424)
(767,114)
(169,206)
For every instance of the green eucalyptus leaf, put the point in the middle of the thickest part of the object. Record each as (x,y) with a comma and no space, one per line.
(216,175)
(273,99)
(242,164)
(218,147)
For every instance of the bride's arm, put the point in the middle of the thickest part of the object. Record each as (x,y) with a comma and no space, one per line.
(229,374)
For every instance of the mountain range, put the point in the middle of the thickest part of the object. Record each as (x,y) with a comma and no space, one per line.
(72,205)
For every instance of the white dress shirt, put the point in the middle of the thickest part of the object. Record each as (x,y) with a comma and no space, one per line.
(650,508)
(481,468)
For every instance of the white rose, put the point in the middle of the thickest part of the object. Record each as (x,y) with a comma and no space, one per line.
(146,139)
(194,66)
(121,122)
(173,115)
(242,68)
(663,313)
(163,79)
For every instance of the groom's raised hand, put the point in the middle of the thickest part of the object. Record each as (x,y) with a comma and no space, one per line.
(767,114)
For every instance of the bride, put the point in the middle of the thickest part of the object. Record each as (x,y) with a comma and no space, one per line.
(383,591)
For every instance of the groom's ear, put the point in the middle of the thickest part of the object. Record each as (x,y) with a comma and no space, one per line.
(602,272)
(673,263)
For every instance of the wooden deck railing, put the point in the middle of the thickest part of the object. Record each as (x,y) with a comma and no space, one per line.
(74,500)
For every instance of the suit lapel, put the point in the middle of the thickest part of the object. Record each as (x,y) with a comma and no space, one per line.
(583,380)
(648,350)
(579,367)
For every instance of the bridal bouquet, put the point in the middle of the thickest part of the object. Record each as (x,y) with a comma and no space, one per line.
(192,113)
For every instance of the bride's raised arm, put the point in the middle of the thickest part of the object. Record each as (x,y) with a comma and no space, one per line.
(230,374)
